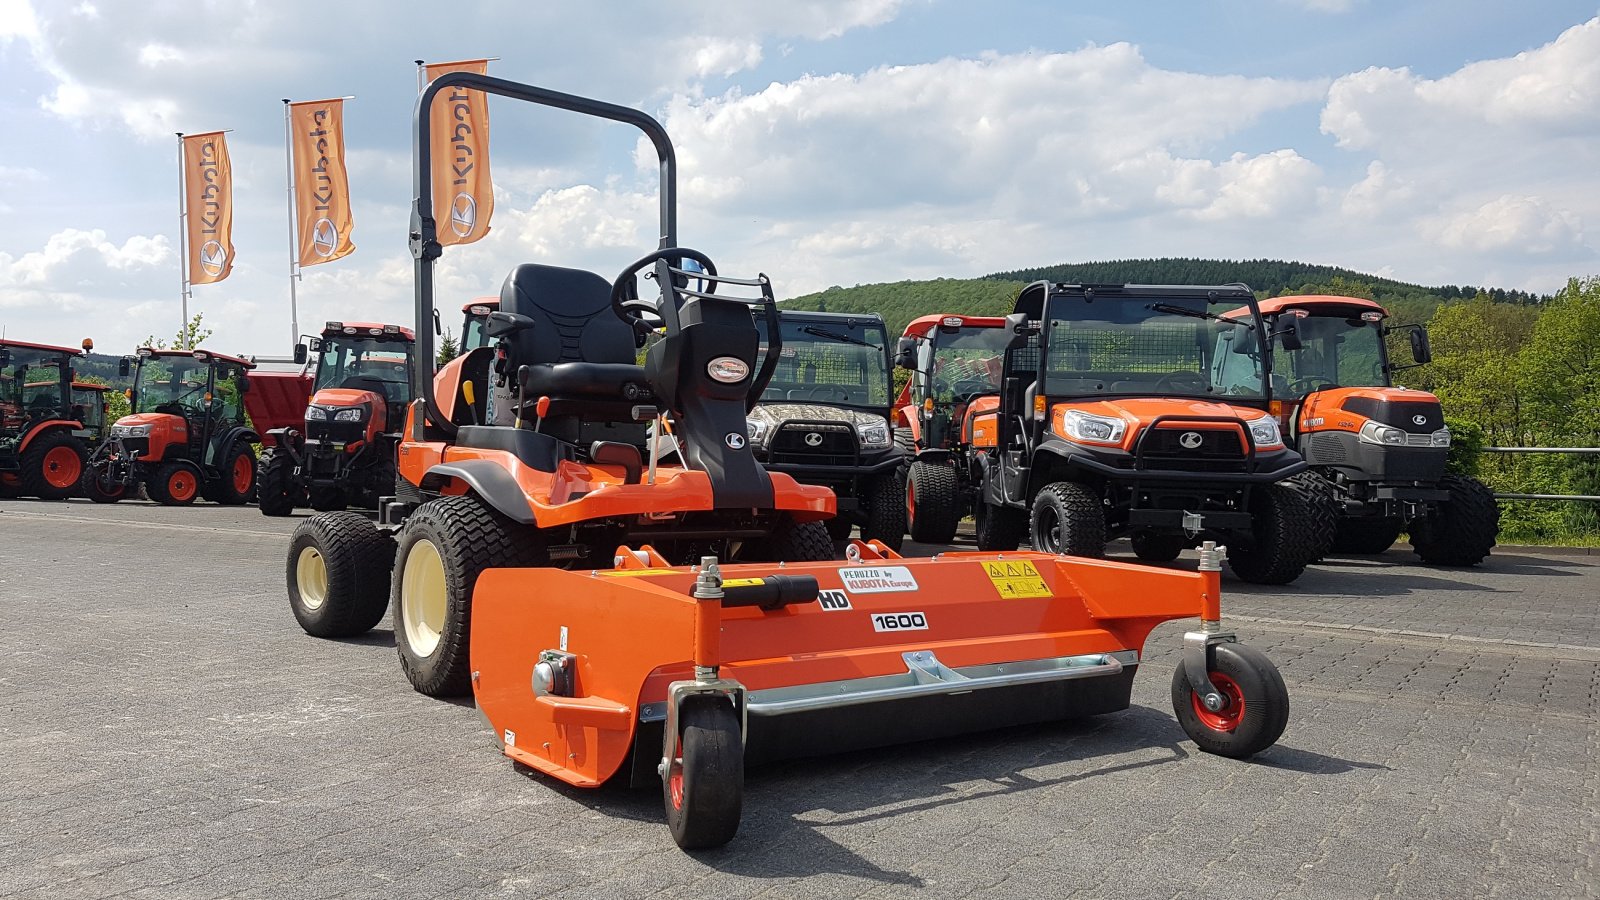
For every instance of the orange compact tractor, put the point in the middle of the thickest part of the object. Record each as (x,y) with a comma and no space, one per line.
(620,618)
(1141,410)
(947,416)
(187,436)
(43,439)
(345,453)
(1381,447)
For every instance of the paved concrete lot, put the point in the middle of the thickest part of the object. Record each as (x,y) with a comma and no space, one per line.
(167,731)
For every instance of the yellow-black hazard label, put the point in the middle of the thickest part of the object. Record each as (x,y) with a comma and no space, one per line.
(742,582)
(1016,579)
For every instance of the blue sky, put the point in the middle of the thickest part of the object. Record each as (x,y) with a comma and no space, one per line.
(823,142)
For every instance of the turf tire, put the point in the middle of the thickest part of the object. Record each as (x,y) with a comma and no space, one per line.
(1462,530)
(931,511)
(1247,730)
(1290,532)
(42,469)
(703,792)
(1069,519)
(277,489)
(350,593)
(885,502)
(793,541)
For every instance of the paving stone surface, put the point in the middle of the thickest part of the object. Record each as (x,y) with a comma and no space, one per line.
(166,731)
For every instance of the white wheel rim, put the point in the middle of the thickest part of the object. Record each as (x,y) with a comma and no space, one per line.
(423,598)
(311,577)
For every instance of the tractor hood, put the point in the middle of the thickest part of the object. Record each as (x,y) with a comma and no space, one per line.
(774,414)
(341,397)
(1144,410)
(156,421)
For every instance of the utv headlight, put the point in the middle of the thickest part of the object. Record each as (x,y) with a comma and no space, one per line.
(1441,438)
(1384,435)
(1264,432)
(758,431)
(316,414)
(873,434)
(1080,426)
(350,414)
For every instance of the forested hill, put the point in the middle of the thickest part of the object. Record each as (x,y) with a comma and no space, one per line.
(900,302)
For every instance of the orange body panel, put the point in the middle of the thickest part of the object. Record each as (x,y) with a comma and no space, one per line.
(981,422)
(346,397)
(1138,413)
(1320,411)
(634,632)
(166,429)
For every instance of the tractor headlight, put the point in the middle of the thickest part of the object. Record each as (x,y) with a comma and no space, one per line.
(1080,426)
(873,434)
(1384,435)
(316,414)
(758,431)
(130,431)
(350,414)
(1264,432)
(1441,438)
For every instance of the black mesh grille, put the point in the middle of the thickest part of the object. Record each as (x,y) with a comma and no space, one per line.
(1327,448)
(815,444)
(138,446)
(1148,348)
(1214,443)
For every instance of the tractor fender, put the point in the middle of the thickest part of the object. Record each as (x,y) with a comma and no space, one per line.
(47,425)
(935,456)
(490,481)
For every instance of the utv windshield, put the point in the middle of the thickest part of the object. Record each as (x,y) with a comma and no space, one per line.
(1335,351)
(380,365)
(30,382)
(1121,345)
(838,362)
(959,365)
(170,384)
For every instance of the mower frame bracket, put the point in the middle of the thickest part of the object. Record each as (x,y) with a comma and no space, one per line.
(1197,662)
(677,693)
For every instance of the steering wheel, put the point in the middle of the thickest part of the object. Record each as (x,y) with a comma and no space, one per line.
(970,388)
(1310,384)
(1182,380)
(627,303)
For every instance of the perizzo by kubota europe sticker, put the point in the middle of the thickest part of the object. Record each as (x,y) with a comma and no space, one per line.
(878,579)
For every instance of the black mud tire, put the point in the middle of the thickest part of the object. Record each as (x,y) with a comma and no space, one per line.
(174,484)
(43,461)
(1068,519)
(1366,535)
(338,574)
(100,490)
(792,541)
(1155,547)
(885,503)
(468,537)
(1462,530)
(328,499)
(703,790)
(1243,729)
(1291,531)
(999,528)
(931,511)
(277,490)
(906,441)
(222,489)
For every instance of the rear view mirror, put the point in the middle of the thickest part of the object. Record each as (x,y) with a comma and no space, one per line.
(1421,349)
(124,366)
(1243,340)
(299,354)
(244,384)
(1289,333)
(501,324)
(905,353)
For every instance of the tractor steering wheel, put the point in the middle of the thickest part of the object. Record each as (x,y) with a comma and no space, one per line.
(1310,384)
(1172,380)
(632,308)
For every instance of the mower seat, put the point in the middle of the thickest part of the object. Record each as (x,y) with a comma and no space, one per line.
(538,451)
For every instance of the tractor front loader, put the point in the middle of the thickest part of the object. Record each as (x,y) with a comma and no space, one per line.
(616,616)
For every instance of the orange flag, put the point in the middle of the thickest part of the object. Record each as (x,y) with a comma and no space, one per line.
(322,190)
(463,197)
(208,204)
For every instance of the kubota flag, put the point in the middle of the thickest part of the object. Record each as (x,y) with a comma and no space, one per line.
(208,206)
(463,197)
(322,190)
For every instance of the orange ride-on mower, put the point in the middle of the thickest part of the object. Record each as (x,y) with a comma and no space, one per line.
(345,453)
(43,442)
(1381,447)
(947,417)
(1141,410)
(187,436)
(619,618)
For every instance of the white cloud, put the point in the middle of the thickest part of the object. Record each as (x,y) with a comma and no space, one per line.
(1522,225)
(1380,191)
(17,20)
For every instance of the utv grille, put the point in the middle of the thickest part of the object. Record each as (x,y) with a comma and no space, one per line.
(1214,444)
(1327,448)
(815,444)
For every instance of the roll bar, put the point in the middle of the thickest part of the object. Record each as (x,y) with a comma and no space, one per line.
(424,235)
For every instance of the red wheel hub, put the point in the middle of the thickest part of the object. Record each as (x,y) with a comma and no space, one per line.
(62,467)
(244,472)
(1228,717)
(181,485)
(675,776)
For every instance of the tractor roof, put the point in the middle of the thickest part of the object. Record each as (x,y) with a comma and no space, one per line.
(1316,304)
(198,353)
(492,302)
(373,329)
(90,386)
(28,345)
(811,315)
(920,327)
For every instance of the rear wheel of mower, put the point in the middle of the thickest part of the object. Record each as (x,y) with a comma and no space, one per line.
(1257,710)
(52,466)
(1152,546)
(276,491)
(999,527)
(1068,519)
(703,790)
(237,482)
(174,484)
(932,513)
(101,490)
(1366,536)
(1463,529)
(445,545)
(338,574)
(792,541)
(886,511)
(1290,529)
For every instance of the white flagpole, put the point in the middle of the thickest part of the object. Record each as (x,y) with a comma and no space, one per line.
(294,231)
(183,249)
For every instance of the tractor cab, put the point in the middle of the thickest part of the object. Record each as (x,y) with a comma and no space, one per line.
(186,436)
(90,406)
(42,443)
(475,315)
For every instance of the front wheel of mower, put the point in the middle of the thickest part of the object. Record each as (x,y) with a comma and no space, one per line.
(101,490)
(931,513)
(1463,529)
(1152,546)
(338,573)
(1257,709)
(1068,519)
(52,466)
(445,545)
(886,511)
(277,491)
(703,789)
(237,482)
(174,484)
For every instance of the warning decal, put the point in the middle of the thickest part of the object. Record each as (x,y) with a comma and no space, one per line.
(1016,579)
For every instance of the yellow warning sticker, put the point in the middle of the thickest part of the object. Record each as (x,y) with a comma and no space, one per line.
(626,573)
(1016,579)
(741,582)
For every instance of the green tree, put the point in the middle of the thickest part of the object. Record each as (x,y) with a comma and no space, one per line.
(448,348)
(195,332)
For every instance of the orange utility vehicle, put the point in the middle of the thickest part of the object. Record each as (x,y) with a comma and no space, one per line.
(187,436)
(344,453)
(1141,410)
(43,439)
(947,417)
(544,568)
(1382,448)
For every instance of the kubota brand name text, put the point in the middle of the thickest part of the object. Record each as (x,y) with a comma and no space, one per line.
(878,579)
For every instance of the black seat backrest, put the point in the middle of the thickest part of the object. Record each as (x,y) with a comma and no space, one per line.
(573,316)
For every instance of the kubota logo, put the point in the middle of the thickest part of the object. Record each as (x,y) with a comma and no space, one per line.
(463,214)
(212,258)
(324,237)
(813,440)
(1190,440)
(1419,419)
(734,440)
